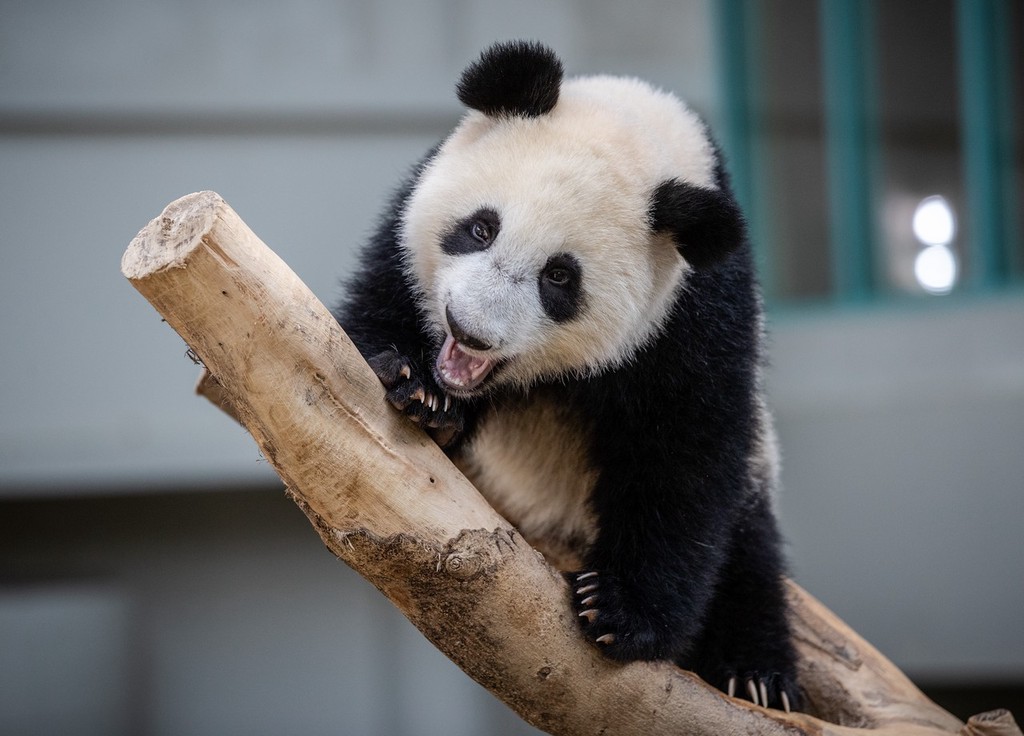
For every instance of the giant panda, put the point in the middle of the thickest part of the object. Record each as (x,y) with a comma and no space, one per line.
(562,294)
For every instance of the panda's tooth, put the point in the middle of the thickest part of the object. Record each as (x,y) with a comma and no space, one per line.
(451,377)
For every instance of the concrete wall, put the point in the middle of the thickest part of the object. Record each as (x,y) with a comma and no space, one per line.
(137,597)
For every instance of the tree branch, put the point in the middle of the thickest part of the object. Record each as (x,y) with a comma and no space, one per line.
(388,502)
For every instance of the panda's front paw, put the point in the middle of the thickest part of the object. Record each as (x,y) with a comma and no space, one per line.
(610,617)
(415,393)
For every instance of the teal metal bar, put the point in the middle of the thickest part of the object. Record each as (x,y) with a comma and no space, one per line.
(738,48)
(851,143)
(733,60)
(848,72)
(984,61)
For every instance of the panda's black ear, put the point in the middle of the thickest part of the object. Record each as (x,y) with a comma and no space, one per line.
(706,224)
(516,78)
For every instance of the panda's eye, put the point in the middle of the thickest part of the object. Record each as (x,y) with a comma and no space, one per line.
(557,276)
(561,271)
(561,287)
(482,231)
(473,233)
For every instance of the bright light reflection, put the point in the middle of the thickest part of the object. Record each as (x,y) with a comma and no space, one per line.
(935,269)
(934,222)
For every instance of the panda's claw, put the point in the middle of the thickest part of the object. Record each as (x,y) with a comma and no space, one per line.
(414,392)
(603,607)
(771,691)
(752,692)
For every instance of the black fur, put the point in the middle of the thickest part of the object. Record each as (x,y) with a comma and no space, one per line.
(687,563)
(516,78)
(705,223)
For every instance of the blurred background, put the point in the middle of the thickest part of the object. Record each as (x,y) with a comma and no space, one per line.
(153,578)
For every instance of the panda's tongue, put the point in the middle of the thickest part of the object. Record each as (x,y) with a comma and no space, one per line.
(459,369)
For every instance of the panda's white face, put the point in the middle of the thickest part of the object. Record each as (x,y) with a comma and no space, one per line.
(530,242)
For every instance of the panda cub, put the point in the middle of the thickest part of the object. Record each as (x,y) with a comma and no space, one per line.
(562,294)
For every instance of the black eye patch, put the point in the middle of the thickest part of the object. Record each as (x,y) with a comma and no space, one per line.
(472,234)
(561,287)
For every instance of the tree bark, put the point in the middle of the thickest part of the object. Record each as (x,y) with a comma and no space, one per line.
(388,502)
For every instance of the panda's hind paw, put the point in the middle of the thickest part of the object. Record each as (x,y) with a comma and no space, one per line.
(767,692)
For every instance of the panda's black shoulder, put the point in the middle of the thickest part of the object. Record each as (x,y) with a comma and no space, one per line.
(381,268)
(715,328)
(701,369)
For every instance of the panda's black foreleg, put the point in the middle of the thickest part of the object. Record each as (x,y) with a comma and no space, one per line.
(746,646)
(381,316)
(700,585)
(624,621)
(650,575)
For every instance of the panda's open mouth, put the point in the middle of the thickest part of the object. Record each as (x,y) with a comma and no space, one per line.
(459,371)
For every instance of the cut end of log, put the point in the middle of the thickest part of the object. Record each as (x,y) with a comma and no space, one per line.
(168,239)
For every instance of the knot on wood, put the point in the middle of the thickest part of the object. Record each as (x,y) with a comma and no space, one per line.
(477,551)
(463,567)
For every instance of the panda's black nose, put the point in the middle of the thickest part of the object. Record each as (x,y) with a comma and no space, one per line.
(461,335)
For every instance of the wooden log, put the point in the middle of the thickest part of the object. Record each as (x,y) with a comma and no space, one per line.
(388,502)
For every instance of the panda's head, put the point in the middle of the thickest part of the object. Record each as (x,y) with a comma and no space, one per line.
(550,232)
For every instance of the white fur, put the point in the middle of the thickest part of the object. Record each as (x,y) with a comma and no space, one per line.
(577,180)
(531,464)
